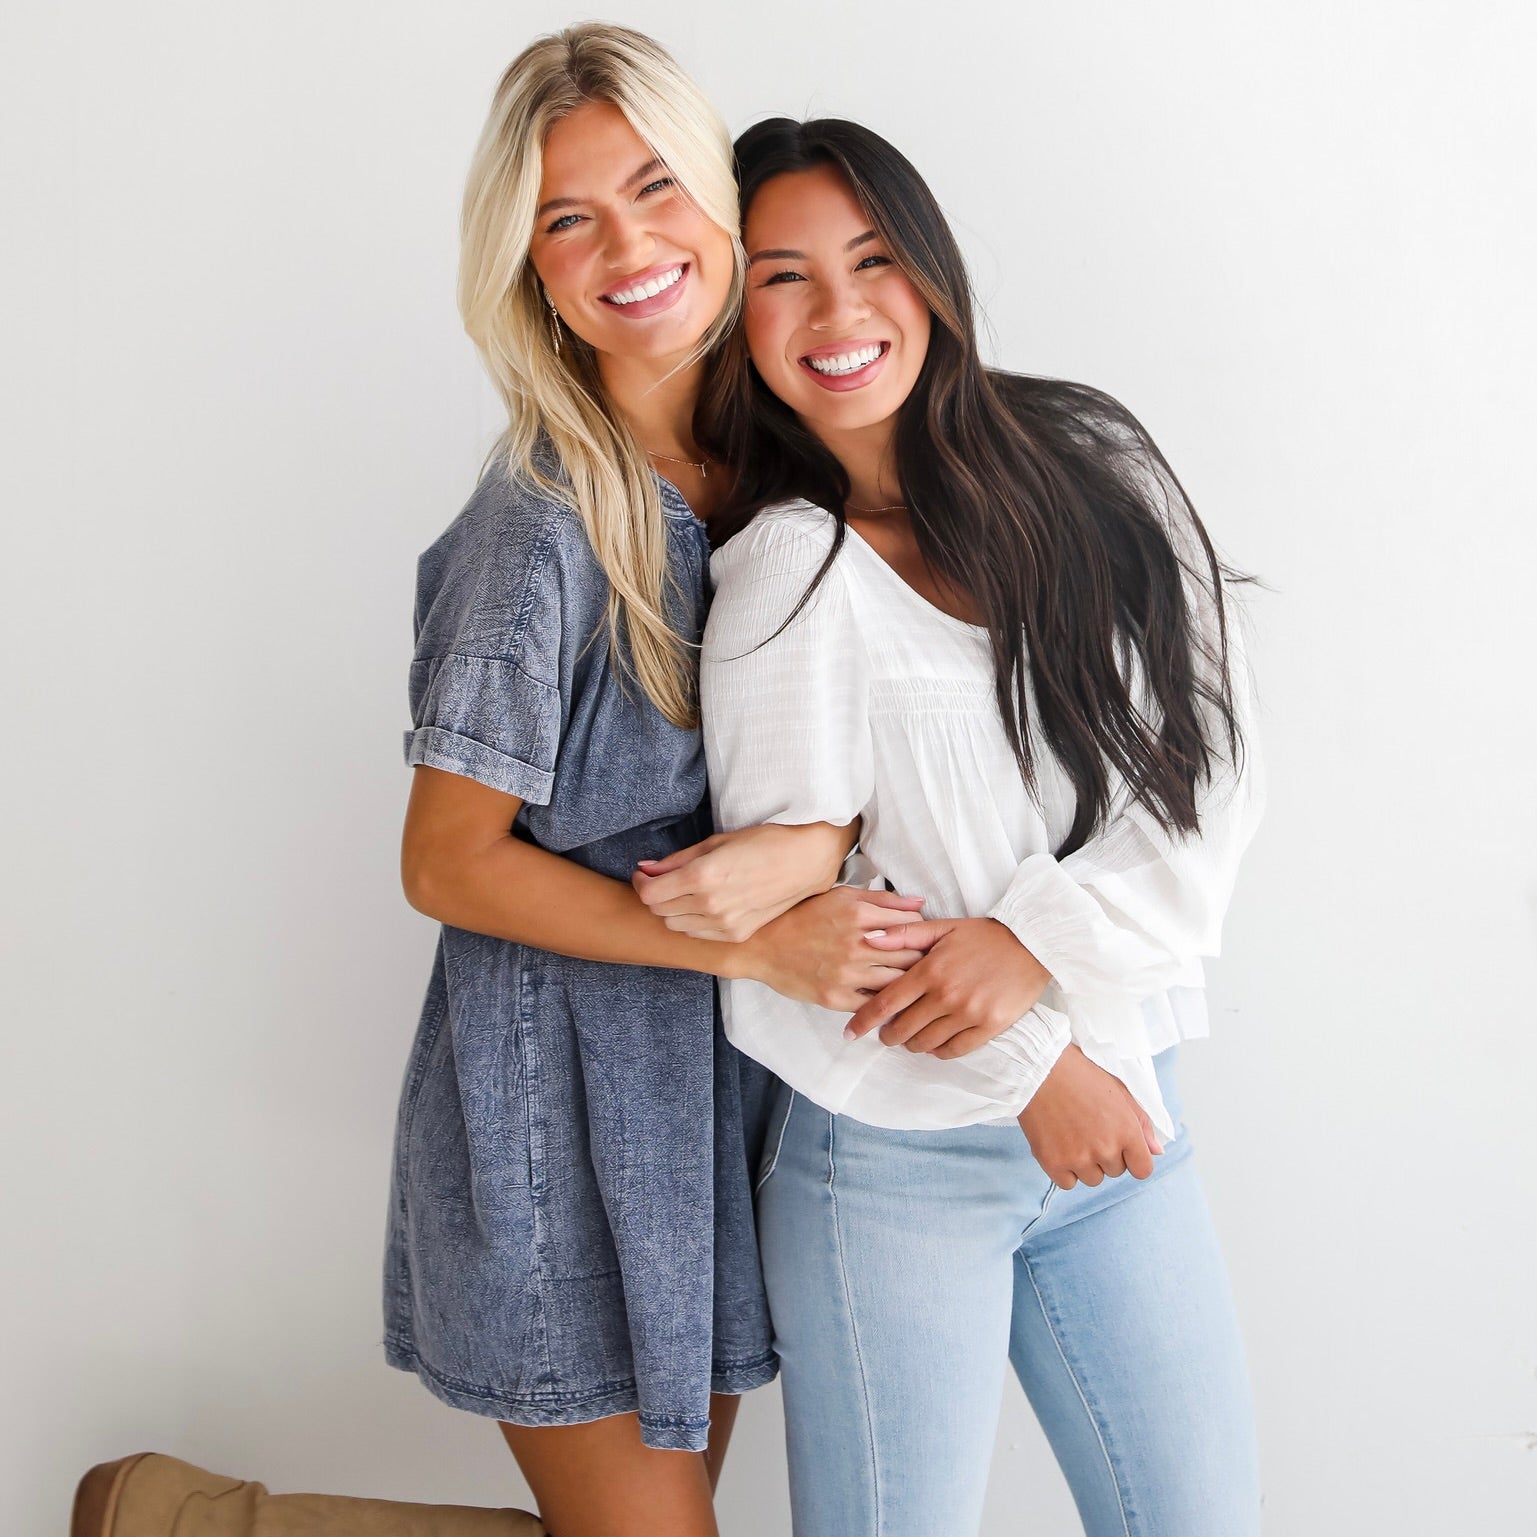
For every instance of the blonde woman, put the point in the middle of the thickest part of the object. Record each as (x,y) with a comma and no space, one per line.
(571,1245)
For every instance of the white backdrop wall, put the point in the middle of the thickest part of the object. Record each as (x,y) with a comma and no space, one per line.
(1297,239)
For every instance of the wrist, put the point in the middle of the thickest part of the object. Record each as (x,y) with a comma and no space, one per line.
(1036,965)
(845,842)
(741,962)
(829,846)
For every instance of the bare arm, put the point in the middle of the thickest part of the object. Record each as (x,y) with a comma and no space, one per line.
(461,864)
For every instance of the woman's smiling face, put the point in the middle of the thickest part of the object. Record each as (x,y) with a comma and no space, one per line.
(634,266)
(835,328)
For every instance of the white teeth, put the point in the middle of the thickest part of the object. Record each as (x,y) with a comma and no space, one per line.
(847,362)
(646,290)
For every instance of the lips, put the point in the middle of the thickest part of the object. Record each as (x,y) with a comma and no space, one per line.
(649,292)
(846,365)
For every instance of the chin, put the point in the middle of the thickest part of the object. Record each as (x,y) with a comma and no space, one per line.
(850,416)
(662,341)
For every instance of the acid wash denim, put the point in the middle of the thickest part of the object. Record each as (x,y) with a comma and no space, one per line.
(570,1229)
(906,1269)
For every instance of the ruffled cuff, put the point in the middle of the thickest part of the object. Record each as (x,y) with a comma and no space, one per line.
(1070,934)
(1018,1061)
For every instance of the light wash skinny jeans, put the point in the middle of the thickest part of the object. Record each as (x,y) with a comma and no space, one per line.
(905,1268)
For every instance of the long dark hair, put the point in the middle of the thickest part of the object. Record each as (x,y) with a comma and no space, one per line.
(1045,502)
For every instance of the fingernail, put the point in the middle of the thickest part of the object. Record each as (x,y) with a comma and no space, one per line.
(876,934)
(850,1033)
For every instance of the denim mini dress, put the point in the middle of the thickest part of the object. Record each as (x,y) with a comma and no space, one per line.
(570,1229)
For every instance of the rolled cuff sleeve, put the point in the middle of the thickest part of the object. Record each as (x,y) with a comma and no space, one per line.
(432,747)
(488,720)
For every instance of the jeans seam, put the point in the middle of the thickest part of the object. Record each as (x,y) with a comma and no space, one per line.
(1046,1200)
(848,1302)
(779,1143)
(1072,1376)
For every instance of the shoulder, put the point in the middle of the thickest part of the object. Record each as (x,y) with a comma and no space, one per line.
(509,519)
(789,534)
(513,546)
(783,572)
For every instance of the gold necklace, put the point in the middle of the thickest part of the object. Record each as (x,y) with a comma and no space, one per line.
(699,465)
(894,507)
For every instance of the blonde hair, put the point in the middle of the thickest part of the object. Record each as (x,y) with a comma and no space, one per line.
(608,479)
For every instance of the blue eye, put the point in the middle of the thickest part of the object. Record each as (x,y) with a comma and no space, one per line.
(656,186)
(564,222)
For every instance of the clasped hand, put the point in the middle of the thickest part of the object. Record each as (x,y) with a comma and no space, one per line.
(765,889)
(942,986)
(731,884)
(974,981)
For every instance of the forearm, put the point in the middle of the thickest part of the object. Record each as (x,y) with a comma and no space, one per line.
(815,859)
(514,890)
(733,883)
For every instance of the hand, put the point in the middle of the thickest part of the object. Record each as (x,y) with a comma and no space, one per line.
(1083,1124)
(731,884)
(820,951)
(974,982)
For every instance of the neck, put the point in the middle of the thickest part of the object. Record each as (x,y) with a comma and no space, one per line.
(656,399)
(868,457)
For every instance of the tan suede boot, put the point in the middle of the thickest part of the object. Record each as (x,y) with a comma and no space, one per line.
(151,1495)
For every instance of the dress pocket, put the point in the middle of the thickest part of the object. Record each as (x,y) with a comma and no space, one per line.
(573,1237)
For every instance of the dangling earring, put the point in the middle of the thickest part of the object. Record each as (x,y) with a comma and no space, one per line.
(554,325)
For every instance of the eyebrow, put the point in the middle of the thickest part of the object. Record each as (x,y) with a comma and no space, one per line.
(800,256)
(654,164)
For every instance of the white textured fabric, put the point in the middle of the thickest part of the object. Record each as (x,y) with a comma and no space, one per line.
(872,702)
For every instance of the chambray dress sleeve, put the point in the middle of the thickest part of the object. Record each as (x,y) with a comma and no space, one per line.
(492,616)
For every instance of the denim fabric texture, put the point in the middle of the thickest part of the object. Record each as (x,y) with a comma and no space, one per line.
(908,1269)
(570,1227)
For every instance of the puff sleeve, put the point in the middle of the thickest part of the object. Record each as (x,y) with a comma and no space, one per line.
(1128,917)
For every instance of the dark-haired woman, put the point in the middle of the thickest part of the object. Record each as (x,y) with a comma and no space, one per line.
(976,611)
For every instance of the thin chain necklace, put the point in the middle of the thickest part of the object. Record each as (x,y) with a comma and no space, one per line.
(894,507)
(693,464)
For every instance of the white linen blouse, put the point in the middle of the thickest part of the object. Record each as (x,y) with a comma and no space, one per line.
(874,703)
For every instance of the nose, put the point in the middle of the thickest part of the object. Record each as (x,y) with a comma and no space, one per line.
(837,305)
(627,245)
